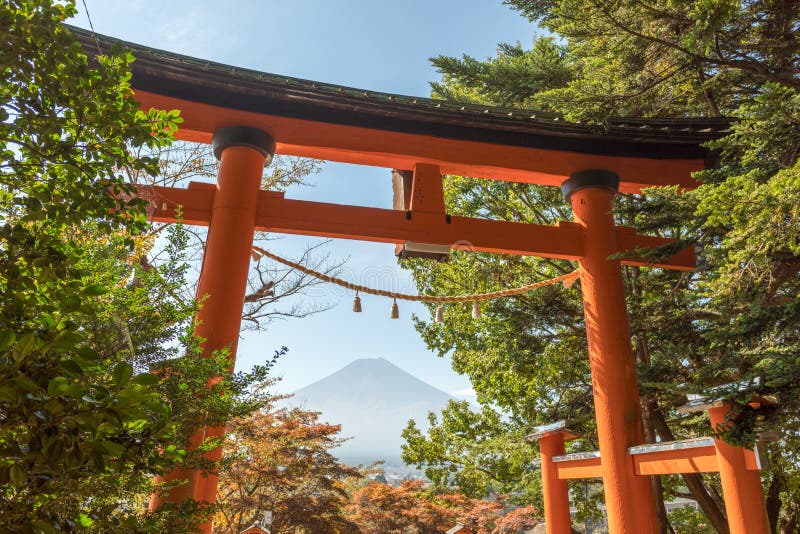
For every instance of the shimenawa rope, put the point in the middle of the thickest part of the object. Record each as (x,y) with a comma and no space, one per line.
(567,279)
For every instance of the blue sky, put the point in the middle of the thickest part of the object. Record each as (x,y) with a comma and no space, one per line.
(378,45)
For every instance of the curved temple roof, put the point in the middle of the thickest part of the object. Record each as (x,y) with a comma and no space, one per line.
(213,95)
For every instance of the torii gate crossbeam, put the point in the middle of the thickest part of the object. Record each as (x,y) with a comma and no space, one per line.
(276,214)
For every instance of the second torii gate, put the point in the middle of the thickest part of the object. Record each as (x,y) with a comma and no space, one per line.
(738,468)
(249,116)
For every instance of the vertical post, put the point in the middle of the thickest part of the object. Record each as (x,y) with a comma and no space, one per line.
(741,488)
(629,498)
(556,493)
(242,152)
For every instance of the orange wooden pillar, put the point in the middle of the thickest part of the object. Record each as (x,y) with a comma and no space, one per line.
(555,490)
(242,152)
(741,487)
(629,498)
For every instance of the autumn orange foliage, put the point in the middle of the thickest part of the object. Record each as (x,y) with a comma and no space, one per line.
(380,508)
(281,461)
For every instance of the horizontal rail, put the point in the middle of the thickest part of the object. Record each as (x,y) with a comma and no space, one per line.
(578,465)
(275,213)
(690,456)
(697,455)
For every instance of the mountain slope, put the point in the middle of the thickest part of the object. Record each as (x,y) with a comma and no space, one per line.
(373,400)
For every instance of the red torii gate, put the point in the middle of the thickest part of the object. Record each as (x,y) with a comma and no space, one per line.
(248,116)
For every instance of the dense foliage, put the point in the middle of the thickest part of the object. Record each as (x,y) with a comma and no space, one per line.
(84,317)
(735,318)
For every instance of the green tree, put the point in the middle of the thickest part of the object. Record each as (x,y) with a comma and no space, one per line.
(70,409)
(513,78)
(474,453)
(84,424)
(734,318)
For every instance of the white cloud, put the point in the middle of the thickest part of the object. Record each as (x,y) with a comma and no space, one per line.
(464,392)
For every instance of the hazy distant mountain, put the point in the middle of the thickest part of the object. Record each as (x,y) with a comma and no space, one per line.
(373,400)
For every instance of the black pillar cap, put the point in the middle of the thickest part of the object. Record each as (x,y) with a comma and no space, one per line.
(243,136)
(591,178)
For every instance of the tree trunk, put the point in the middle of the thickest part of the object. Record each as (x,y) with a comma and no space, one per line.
(789,526)
(774,502)
(642,354)
(664,526)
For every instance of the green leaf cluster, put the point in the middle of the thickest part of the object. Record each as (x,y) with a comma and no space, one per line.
(476,452)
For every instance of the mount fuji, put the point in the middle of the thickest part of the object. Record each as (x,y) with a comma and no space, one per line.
(373,400)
